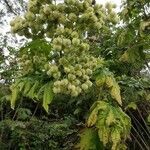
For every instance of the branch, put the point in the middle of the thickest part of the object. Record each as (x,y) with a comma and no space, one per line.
(10,7)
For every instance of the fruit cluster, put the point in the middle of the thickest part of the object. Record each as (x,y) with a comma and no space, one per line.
(30,64)
(67,26)
(25,64)
(52,71)
(45,17)
(111,15)
(76,79)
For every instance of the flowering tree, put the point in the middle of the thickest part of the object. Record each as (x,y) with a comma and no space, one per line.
(75,50)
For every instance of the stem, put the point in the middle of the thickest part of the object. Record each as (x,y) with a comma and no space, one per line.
(17,110)
(139,124)
(143,120)
(34,111)
(137,141)
(10,7)
(147,148)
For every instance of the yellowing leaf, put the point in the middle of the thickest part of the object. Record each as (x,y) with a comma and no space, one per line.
(132,105)
(115,93)
(124,57)
(115,137)
(110,118)
(102,105)
(109,81)
(115,89)
(103,134)
(121,146)
(47,96)
(92,118)
(99,105)
(112,124)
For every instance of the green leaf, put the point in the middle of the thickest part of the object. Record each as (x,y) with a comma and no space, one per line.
(40,92)
(89,140)
(77,111)
(100,79)
(48,95)
(148,118)
(15,91)
(21,85)
(27,87)
(37,46)
(14,96)
(132,105)
(31,93)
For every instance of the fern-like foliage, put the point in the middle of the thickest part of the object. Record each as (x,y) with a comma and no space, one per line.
(32,89)
(112,123)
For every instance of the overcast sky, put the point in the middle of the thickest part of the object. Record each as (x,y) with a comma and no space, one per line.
(115,1)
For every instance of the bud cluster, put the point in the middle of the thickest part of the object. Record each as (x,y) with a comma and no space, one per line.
(67,25)
(30,64)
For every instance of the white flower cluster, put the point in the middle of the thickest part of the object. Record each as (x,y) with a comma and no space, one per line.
(111,15)
(77,80)
(66,24)
(18,24)
(53,71)
(27,65)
